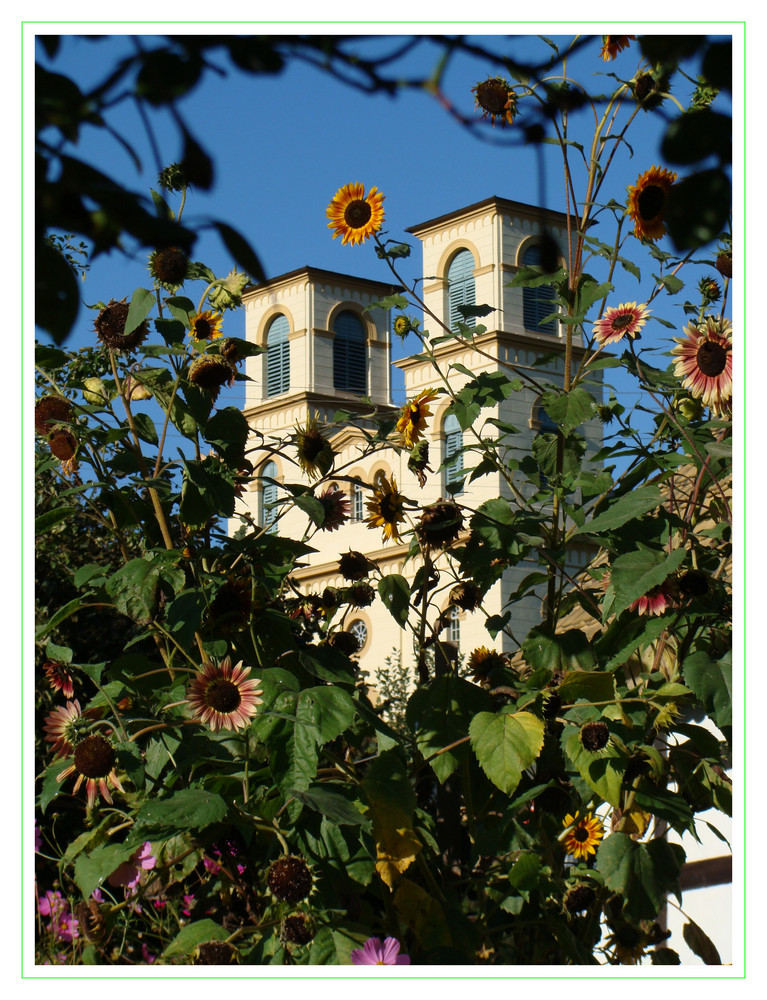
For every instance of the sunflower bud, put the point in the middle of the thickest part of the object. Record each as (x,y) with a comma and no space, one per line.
(709,290)
(94,391)
(227,292)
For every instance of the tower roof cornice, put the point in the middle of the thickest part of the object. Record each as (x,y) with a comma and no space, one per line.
(322,274)
(501,205)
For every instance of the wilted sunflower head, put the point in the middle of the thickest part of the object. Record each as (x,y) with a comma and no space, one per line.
(354,565)
(466,595)
(354,215)
(110,327)
(63,443)
(315,456)
(232,606)
(205,325)
(297,928)
(289,879)
(210,373)
(169,267)
(361,595)
(579,897)
(440,524)
(647,202)
(412,421)
(594,736)
(650,90)
(724,263)
(344,642)
(496,99)
(483,661)
(51,410)
(215,953)
(226,293)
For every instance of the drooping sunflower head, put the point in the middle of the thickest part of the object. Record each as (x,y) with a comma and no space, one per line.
(704,362)
(344,642)
(59,677)
(205,325)
(441,523)
(210,373)
(465,595)
(354,215)
(583,835)
(169,267)
(579,897)
(222,697)
(614,44)
(724,263)
(647,202)
(232,607)
(335,503)
(361,595)
(51,410)
(354,565)
(215,953)
(289,879)
(709,290)
(63,443)
(386,508)
(625,320)
(110,328)
(64,727)
(496,99)
(483,661)
(594,736)
(418,463)
(315,456)
(650,90)
(412,421)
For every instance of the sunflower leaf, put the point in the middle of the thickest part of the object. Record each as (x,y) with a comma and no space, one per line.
(642,873)
(506,743)
(193,934)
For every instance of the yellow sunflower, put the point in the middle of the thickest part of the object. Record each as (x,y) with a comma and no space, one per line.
(386,508)
(354,215)
(412,422)
(583,836)
(206,325)
(647,202)
(613,44)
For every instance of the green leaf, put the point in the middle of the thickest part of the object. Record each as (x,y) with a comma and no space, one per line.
(207,491)
(91,870)
(636,573)
(241,250)
(187,809)
(51,518)
(227,430)
(506,744)
(135,588)
(440,714)
(591,685)
(61,654)
(141,304)
(642,873)
(667,805)
(327,711)
(51,786)
(711,682)
(145,427)
(332,804)
(61,615)
(310,505)
(486,389)
(603,773)
(564,652)
(700,943)
(569,409)
(394,591)
(193,934)
(526,872)
(625,509)
(671,283)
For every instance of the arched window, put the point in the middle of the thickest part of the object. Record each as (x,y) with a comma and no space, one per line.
(453,454)
(460,288)
(268,496)
(454,629)
(357,502)
(349,354)
(277,356)
(539,302)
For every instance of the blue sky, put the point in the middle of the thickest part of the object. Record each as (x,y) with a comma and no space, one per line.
(284,144)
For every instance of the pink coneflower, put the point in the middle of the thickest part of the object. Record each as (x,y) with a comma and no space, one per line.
(59,677)
(654,602)
(94,760)
(378,952)
(129,872)
(704,362)
(221,696)
(626,320)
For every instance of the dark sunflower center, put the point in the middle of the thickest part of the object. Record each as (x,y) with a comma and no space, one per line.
(223,695)
(651,202)
(94,757)
(202,328)
(389,508)
(581,834)
(414,414)
(357,214)
(493,97)
(312,445)
(712,358)
(621,322)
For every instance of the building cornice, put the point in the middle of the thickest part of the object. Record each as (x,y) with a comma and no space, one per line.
(503,206)
(321,274)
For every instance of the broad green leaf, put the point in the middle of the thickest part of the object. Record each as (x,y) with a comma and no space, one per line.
(564,652)
(592,685)
(700,943)
(666,805)
(193,934)
(602,772)
(394,591)
(187,809)
(311,505)
(227,430)
(135,587)
(391,801)
(711,682)
(51,518)
(332,804)
(486,389)
(141,304)
(61,654)
(51,786)
(642,873)
(636,573)
(145,427)
(327,711)
(526,871)
(61,615)
(625,509)
(440,714)
(91,870)
(207,491)
(569,409)
(506,744)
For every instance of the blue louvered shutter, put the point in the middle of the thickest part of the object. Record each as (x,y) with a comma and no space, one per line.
(537,302)
(453,453)
(461,291)
(278,357)
(349,354)
(268,496)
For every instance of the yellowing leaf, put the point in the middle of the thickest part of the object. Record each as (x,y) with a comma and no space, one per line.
(396,842)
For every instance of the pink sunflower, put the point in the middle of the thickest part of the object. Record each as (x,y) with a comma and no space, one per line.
(704,362)
(378,952)
(655,601)
(626,319)
(93,762)
(222,697)
(63,728)
(59,677)
(335,503)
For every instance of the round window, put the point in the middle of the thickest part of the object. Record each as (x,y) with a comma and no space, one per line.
(360,631)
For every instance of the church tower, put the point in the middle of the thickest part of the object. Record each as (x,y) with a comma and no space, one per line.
(324,352)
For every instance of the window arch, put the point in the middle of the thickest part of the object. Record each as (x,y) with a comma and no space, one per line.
(539,302)
(454,628)
(349,354)
(358,510)
(269,497)
(453,451)
(278,356)
(460,288)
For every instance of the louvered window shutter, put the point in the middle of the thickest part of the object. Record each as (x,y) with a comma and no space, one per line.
(461,290)
(453,453)
(539,302)
(278,357)
(268,497)
(349,354)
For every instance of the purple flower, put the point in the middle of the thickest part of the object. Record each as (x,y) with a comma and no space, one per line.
(63,924)
(146,954)
(377,952)
(188,904)
(38,838)
(129,872)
